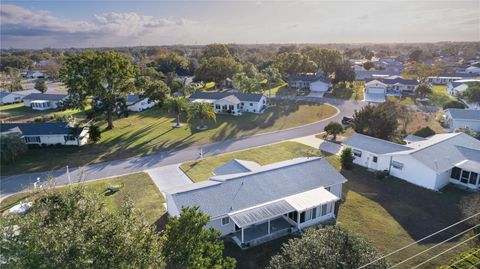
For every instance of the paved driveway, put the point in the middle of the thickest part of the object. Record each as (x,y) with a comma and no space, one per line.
(16,183)
(169,176)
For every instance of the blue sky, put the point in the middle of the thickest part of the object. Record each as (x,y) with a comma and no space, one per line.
(37,24)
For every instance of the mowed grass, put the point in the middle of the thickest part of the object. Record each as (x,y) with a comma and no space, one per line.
(347,92)
(200,170)
(392,213)
(151,131)
(19,113)
(438,98)
(138,187)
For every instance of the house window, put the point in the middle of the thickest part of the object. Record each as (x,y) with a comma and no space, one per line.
(251,104)
(465,176)
(456,173)
(324,209)
(473,178)
(217,106)
(308,215)
(32,139)
(302,217)
(397,165)
(357,153)
(314,212)
(375,159)
(225,221)
(329,208)
(69,138)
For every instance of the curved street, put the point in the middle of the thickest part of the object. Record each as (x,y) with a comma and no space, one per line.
(16,183)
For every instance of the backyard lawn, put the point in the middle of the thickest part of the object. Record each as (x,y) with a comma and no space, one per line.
(438,98)
(150,131)
(137,187)
(19,113)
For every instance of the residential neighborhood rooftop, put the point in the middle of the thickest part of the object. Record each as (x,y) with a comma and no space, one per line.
(230,193)
(43,96)
(464,114)
(374,145)
(44,128)
(245,97)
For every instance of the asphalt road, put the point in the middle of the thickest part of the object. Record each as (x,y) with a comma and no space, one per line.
(16,183)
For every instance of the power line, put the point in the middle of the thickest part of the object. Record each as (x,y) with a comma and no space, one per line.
(418,241)
(475,265)
(443,252)
(436,245)
(471,254)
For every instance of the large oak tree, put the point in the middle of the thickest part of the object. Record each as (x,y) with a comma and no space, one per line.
(104,76)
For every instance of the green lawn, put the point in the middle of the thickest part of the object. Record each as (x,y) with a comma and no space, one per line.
(151,131)
(392,213)
(283,89)
(19,113)
(438,97)
(346,92)
(137,187)
(202,169)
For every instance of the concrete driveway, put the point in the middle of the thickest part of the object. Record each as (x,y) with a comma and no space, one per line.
(169,176)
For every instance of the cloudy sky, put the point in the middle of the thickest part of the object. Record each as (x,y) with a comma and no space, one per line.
(38,24)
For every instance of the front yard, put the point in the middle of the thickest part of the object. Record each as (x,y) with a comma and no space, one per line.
(138,187)
(151,131)
(347,92)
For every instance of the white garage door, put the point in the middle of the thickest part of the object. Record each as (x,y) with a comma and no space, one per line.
(377,90)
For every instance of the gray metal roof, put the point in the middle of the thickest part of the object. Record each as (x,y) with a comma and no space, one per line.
(48,97)
(44,128)
(3,94)
(374,145)
(132,99)
(246,97)
(27,92)
(259,214)
(309,78)
(464,114)
(268,183)
(232,167)
(396,80)
(232,99)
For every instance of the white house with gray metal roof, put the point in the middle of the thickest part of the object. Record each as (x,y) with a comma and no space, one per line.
(432,162)
(42,101)
(233,103)
(463,118)
(254,204)
(137,103)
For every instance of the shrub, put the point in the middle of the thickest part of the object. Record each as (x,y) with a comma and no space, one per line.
(346,158)
(454,104)
(424,132)
(11,147)
(95,133)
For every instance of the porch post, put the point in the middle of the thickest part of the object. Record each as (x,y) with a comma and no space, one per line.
(242,235)
(268,226)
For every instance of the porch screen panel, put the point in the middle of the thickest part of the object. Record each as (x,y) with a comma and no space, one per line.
(261,213)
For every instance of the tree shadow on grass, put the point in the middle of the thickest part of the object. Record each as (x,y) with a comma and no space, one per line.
(419,211)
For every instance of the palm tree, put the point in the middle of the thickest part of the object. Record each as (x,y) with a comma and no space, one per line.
(177,105)
(202,111)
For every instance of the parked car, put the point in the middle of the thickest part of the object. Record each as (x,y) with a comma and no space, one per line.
(347,120)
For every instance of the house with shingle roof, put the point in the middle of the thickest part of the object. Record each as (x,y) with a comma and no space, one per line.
(463,118)
(47,133)
(42,101)
(137,103)
(314,82)
(233,103)
(432,162)
(377,89)
(253,204)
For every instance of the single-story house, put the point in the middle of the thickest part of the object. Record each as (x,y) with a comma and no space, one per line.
(461,118)
(33,74)
(457,87)
(253,204)
(389,64)
(377,89)
(473,70)
(431,163)
(314,83)
(136,103)
(47,133)
(372,74)
(14,97)
(41,101)
(444,79)
(233,103)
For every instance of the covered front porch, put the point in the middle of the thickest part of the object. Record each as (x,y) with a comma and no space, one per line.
(273,220)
